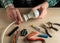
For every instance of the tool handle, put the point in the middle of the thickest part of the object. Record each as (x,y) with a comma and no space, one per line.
(48,33)
(43,35)
(35,39)
(14,39)
(54,29)
(56,24)
(13,31)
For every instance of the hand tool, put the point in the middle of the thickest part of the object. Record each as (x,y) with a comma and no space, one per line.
(56,24)
(17,35)
(53,23)
(37,29)
(13,31)
(30,37)
(51,26)
(14,38)
(44,26)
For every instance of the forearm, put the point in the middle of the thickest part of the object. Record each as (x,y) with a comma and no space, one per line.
(6,3)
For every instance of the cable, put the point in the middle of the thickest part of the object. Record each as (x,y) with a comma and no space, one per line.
(2,37)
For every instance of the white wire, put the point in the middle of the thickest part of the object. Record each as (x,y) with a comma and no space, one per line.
(2,37)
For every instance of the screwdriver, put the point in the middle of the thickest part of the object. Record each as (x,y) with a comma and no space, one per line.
(37,29)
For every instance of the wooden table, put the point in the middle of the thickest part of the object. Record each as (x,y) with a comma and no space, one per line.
(52,16)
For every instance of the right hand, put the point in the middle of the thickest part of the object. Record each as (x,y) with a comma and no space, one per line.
(14,14)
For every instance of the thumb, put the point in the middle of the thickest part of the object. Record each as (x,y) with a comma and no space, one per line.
(43,13)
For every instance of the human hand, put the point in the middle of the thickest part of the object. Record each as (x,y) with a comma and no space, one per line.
(14,14)
(42,9)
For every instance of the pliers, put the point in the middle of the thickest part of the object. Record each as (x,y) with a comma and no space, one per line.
(53,23)
(45,28)
(44,35)
(30,37)
(51,26)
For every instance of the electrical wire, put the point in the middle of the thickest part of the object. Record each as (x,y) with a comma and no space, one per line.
(2,37)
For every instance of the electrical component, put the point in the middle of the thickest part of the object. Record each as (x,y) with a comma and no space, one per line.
(13,31)
(31,15)
(23,32)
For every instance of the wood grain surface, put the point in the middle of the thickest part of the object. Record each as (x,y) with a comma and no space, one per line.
(53,15)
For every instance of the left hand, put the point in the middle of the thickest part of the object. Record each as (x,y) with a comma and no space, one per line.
(42,9)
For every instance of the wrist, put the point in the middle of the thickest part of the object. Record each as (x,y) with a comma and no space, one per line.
(9,6)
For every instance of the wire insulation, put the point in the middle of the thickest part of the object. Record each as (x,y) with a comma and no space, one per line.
(2,37)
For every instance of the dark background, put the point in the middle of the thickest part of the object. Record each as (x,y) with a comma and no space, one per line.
(57,5)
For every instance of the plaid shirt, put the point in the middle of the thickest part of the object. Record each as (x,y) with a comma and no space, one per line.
(52,2)
(7,2)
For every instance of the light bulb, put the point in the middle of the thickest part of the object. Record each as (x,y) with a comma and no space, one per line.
(32,14)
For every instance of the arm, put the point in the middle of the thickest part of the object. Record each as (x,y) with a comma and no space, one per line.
(12,12)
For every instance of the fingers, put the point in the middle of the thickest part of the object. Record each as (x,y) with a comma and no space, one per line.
(10,15)
(19,18)
(14,14)
(19,15)
(42,10)
(43,13)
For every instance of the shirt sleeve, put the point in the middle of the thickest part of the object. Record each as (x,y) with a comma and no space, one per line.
(52,2)
(5,3)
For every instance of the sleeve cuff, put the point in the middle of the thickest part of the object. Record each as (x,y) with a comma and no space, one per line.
(9,5)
